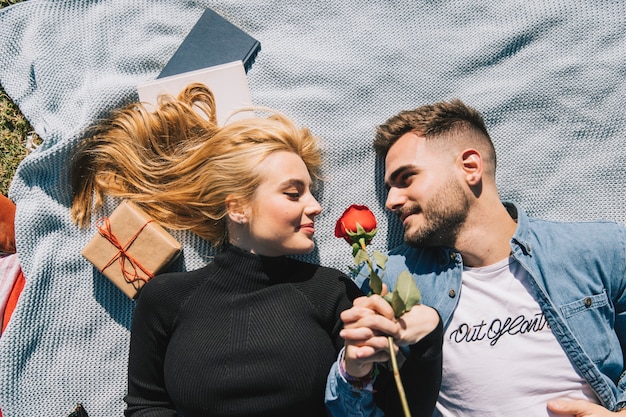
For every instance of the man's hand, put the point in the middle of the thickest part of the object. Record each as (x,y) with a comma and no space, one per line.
(416,324)
(581,408)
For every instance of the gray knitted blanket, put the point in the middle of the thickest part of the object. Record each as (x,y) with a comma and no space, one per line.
(549,76)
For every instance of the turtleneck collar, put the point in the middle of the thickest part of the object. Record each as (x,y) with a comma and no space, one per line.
(252,267)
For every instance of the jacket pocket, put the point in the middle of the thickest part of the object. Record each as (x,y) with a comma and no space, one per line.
(585,304)
(590,319)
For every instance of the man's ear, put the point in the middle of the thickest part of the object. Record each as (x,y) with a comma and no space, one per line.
(236,209)
(472,163)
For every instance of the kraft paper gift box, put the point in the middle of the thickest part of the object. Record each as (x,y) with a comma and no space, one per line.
(130,248)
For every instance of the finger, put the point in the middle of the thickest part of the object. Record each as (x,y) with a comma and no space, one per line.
(355,337)
(360,355)
(366,354)
(355,313)
(379,325)
(385,290)
(357,334)
(579,408)
(375,303)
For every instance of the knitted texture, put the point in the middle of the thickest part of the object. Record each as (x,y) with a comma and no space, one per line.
(548,75)
(219,359)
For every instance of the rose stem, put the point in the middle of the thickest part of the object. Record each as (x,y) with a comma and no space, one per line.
(396,375)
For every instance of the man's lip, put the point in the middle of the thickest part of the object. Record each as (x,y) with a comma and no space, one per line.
(404,215)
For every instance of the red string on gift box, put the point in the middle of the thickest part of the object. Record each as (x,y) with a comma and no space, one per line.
(122,252)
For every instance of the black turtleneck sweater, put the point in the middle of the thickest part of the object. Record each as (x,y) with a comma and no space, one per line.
(254,336)
(243,336)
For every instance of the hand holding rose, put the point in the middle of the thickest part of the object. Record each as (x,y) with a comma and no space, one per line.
(368,324)
(375,324)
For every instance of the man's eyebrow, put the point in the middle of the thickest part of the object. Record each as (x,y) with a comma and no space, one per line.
(394,175)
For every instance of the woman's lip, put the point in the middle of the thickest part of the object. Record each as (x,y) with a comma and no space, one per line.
(309,228)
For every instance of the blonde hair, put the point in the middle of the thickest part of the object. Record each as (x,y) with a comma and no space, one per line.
(177,165)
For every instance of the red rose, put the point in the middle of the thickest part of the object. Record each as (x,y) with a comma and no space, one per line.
(355,223)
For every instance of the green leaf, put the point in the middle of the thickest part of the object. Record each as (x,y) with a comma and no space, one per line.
(376,284)
(380,259)
(360,257)
(405,295)
(397,304)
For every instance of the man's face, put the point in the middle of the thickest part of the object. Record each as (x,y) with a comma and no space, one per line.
(425,191)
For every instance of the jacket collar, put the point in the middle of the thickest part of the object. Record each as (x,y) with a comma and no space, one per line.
(521,237)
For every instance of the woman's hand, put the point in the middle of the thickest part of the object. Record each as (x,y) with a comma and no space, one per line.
(366,327)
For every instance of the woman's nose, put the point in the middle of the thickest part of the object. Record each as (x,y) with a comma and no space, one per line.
(314,208)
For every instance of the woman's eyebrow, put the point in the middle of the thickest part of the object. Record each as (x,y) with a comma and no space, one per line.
(293,182)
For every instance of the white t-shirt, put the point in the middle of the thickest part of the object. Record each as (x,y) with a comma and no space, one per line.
(500,357)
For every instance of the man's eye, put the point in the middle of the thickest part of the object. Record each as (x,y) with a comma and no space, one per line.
(405,178)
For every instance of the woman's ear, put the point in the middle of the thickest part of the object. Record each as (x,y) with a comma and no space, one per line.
(472,166)
(236,209)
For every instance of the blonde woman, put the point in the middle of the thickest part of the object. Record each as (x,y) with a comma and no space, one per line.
(254,333)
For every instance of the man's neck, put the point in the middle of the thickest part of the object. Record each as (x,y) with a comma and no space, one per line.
(486,236)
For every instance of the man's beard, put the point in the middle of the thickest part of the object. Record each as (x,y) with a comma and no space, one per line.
(444,215)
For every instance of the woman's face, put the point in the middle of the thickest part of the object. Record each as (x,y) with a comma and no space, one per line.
(280,218)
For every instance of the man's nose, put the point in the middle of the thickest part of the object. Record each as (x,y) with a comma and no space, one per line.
(395,199)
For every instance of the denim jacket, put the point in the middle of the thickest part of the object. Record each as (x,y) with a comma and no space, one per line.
(578,276)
